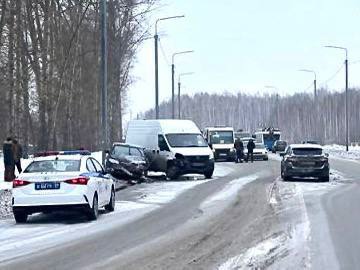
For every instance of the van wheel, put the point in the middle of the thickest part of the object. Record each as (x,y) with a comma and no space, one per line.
(172,173)
(20,216)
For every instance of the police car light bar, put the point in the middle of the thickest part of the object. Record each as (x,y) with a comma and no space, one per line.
(46,153)
(75,152)
(68,152)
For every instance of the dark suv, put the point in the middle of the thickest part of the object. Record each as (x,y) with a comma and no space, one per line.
(279,146)
(305,160)
(126,161)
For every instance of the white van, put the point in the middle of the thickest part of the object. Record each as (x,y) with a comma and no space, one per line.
(176,147)
(221,140)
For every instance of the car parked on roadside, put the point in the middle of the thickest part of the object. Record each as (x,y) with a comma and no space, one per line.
(126,161)
(279,146)
(305,160)
(63,181)
(260,152)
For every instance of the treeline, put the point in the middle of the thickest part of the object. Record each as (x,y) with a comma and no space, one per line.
(299,116)
(49,62)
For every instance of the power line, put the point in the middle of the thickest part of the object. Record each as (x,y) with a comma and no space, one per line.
(164,54)
(311,85)
(333,76)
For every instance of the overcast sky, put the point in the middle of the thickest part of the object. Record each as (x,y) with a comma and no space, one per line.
(242,46)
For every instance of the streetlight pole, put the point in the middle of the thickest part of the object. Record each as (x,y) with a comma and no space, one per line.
(179,90)
(346,93)
(173,80)
(103,67)
(313,72)
(156,38)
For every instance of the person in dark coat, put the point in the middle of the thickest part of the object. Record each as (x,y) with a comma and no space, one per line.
(239,147)
(9,161)
(250,153)
(17,152)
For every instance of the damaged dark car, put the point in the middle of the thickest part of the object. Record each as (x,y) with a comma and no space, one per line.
(126,161)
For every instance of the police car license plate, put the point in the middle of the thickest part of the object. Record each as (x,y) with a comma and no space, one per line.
(47,185)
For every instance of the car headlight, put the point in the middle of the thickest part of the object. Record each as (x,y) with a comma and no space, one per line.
(111,160)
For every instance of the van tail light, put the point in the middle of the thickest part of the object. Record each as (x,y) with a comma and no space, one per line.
(19,183)
(83,180)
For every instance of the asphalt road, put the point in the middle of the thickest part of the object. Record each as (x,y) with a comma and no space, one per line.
(185,234)
(242,221)
(342,209)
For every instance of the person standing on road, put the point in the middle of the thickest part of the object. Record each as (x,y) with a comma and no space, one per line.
(250,153)
(239,147)
(17,152)
(9,161)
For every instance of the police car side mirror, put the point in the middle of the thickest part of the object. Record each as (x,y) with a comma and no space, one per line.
(282,154)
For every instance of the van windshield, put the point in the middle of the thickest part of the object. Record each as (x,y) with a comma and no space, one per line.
(221,137)
(186,140)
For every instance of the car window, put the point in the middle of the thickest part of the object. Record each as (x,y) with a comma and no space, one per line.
(53,166)
(90,166)
(162,143)
(135,152)
(307,151)
(97,165)
(119,151)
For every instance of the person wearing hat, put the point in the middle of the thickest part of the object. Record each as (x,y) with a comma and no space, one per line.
(9,161)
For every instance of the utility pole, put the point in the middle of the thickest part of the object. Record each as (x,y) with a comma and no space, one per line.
(346,93)
(179,90)
(173,80)
(103,71)
(156,38)
(172,90)
(179,105)
(347,102)
(156,77)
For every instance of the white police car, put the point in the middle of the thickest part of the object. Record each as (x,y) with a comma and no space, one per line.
(69,180)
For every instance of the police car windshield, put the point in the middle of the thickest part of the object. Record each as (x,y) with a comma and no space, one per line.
(53,166)
(186,140)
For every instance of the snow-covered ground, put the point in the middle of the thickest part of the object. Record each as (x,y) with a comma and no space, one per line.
(227,194)
(45,231)
(339,151)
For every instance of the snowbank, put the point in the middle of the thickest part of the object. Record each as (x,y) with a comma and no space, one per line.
(339,151)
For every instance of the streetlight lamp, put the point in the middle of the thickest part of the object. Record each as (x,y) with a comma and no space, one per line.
(156,37)
(173,80)
(179,90)
(311,71)
(346,92)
